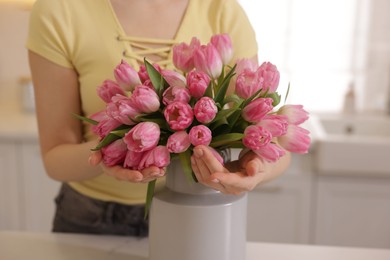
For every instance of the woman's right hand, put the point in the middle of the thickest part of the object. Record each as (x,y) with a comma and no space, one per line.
(123,174)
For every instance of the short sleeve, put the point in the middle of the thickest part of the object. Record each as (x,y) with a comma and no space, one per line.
(49,34)
(235,22)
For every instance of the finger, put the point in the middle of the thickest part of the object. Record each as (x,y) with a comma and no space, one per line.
(236,183)
(212,183)
(204,153)
(123,174)
(95,158)
(152,172)
(254,166)
(201,171)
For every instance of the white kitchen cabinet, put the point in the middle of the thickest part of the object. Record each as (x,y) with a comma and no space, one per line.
(280,211)
(353,211)
(27,194)
(39,190)
(10,191)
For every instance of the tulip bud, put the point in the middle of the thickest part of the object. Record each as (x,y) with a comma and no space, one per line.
(205,110)
(109,89)
(200,135)
(223,44)
(142,137)
(270,76)
(126,76)
(178,142)
(257,109)
(197,82)
(208,60)
(183,55)
(158,156)
(179,115)
(145,99)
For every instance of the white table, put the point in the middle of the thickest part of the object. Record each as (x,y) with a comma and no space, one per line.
(37,246)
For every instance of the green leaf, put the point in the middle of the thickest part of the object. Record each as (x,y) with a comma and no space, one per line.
(209,90)
(223,114)
(246,101)
(221,93)
(233,118)
(120,132)
(218,123)
(226,139)
(233,98)
(149,197)
(158,81)
(288,91)
(108,139)
(86,119)
(185,158)
(276,98)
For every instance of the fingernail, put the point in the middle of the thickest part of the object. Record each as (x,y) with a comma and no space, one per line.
(198,152)
(155,174)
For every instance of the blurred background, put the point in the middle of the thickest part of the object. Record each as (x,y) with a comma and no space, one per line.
(336,56)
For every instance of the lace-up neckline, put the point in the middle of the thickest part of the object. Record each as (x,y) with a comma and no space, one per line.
(137,48)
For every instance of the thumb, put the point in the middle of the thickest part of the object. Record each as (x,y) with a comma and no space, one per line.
(95,158)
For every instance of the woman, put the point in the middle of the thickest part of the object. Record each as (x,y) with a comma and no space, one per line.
(73,47)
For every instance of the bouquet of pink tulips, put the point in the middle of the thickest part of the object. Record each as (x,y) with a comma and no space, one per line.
(170,111)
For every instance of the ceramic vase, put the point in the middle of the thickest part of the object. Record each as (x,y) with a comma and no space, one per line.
(189,221)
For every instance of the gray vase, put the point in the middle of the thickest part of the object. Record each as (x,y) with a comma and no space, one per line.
(189,221)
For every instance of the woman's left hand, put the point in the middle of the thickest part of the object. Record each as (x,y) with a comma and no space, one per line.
(233,178)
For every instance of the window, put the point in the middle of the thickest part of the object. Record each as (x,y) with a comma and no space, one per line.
(318,46)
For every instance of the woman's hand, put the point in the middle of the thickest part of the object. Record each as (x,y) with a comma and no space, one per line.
(237,177)
(123,174)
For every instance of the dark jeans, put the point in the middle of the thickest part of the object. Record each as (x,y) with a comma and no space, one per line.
(76,213)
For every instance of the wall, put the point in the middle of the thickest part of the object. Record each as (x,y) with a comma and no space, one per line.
(375,95)
(13,54)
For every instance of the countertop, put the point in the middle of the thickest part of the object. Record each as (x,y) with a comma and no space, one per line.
(23,245)
(17,125)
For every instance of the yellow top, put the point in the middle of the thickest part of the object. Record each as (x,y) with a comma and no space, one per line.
(86,35)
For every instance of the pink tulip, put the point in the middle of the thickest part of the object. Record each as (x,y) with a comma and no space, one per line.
(256,137)
(197,82)
(208,60)
(183,55)
(205,110)
(296,140)
(145,99)
(132,160)
(106,124)
(179,115)
(142,137)
(174,78)
(257,109)
(245,64)
(200,135)
(126,76)
(178,142)
(114,153)
(158,156)
(270,75)
(174,93)
(148,84)
(223,44)
(275,124)
(123,110)
(295,114)
(247,84)
(270,152)
(109,89)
